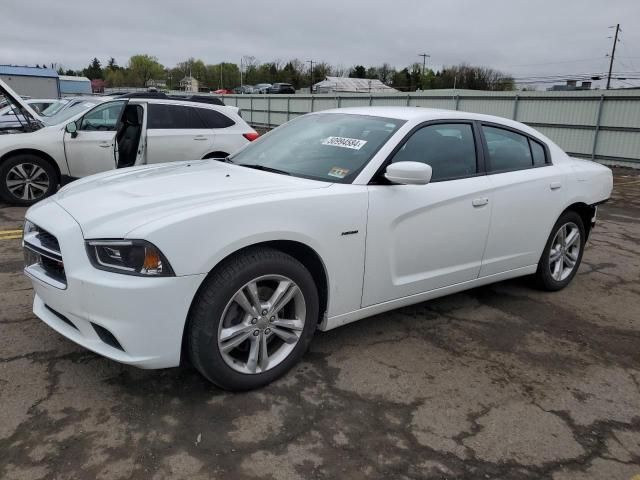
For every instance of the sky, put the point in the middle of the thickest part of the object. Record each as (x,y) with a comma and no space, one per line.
(522,38)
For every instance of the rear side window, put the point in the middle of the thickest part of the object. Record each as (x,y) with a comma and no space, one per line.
(507,150)
(449,149)
(173,117)
(214,119)
(537,150)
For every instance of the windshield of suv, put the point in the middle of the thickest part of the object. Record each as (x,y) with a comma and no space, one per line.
(332,147)
(67,113)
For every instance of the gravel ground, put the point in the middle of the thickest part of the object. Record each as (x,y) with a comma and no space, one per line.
(501,382)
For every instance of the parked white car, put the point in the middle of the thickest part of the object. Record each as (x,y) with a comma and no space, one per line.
(331,218)
(9,119)
(116,133)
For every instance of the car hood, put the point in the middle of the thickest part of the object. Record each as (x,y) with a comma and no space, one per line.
(7,91)
(110,205)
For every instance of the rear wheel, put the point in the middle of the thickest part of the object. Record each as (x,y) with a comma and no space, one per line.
(563,252)
(253,319)
(26,178)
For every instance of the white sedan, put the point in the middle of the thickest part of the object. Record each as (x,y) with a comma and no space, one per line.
(330,218)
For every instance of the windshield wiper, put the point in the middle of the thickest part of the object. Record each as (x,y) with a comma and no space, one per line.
(264,168)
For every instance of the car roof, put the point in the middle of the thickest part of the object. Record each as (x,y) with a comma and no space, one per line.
(421,114)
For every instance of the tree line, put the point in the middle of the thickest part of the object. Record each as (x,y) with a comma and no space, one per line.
(141,69)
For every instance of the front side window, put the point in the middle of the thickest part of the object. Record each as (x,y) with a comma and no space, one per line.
(104,117)
(171,117)
(507,150)
(449,149)
(332,147)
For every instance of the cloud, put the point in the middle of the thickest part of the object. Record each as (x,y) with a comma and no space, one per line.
(538,37)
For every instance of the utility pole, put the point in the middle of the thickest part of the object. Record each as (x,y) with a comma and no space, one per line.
(424,61)
(311,86)
(241,90)
(613,53)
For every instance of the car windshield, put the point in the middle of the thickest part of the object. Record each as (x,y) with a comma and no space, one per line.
(332,147)
(67,113)
(54,108)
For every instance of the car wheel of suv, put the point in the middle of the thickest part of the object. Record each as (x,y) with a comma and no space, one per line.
(562,254)
(252,319)
(26,178)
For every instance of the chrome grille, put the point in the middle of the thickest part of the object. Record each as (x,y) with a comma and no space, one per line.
(43,258)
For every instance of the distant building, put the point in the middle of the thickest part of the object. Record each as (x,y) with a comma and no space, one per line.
(97,85)
(570,86)
(189,84)
(158,84)
(31,81)
(352,85)
(70,86)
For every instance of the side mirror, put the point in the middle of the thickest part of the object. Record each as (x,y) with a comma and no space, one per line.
(408,173)
(72,128)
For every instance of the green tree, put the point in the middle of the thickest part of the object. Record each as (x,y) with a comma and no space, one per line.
(94,70)
(70,73)
(143,68)
(358,72)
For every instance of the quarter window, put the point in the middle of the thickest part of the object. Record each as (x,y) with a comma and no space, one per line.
(173,117)
(214,119)
(537,150)
(104,117)
(507,150)
(448,148)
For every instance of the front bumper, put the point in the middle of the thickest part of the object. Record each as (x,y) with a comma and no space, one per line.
(145,316)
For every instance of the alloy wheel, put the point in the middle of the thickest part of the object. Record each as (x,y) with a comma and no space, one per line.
(261,324)
(564,252)
(27,181)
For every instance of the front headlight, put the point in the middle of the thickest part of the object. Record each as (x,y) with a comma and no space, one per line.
(131,257)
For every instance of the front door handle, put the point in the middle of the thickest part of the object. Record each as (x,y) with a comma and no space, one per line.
(555,185)
(200,137)
(480,202)
(104,144)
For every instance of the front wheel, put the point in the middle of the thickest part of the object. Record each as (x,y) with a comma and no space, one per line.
(562,254)
(253,319)
(26,178)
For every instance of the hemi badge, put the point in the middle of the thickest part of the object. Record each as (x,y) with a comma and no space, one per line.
(350,232)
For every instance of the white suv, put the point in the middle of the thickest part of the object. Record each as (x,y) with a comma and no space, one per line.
(122,132)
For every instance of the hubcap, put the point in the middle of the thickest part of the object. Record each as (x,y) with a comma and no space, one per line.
(261,324)
(564,252)
(27,181)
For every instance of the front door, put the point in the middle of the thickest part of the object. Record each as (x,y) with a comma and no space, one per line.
(92,150)
(425,237)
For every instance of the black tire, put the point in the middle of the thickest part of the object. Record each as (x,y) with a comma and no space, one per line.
(216,293)
(46,178)
(543,276)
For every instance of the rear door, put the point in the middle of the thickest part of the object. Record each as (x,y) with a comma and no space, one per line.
(92,150)
(528,192)
(176,132)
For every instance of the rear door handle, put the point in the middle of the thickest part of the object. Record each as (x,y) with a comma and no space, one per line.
(555,185)
(480,202)
(104,144)
(200,137)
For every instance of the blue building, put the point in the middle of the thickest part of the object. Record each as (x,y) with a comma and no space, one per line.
(74,85)
(31,81)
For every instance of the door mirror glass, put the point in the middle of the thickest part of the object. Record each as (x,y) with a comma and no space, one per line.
(72,129)
(408,173)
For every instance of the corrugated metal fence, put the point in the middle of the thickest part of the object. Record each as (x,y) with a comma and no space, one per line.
(599,125)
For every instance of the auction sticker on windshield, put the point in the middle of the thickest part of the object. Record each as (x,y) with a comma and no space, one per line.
(353,143)
(338,172)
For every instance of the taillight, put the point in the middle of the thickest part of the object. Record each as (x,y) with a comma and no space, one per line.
(251,136)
